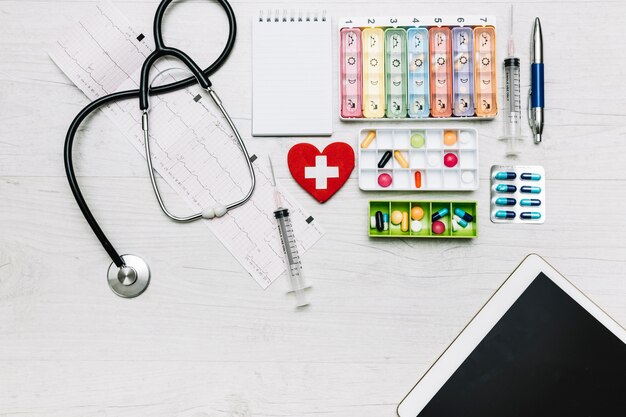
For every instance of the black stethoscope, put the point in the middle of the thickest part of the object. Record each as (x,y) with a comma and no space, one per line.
(129,275)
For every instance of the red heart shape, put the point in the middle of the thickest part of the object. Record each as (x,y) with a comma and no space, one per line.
(321,174)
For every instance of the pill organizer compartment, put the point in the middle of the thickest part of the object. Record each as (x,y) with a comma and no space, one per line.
(396,229)
(383,207)
(470,229)
(425,230)
(424,150)
(429,208)
(446,220)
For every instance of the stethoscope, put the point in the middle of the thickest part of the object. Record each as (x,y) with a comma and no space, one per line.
(129,275)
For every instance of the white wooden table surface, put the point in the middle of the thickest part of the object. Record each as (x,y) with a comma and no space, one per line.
(204,339)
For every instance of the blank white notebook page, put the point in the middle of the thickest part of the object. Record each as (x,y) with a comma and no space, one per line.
(292,76)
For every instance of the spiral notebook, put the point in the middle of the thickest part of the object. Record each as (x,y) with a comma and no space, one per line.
(292,74)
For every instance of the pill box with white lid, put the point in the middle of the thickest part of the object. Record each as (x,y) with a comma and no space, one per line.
(518,194)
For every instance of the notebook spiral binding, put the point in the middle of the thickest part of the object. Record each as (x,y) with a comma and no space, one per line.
(292,16)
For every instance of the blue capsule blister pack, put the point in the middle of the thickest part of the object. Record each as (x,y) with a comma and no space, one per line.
(518,194)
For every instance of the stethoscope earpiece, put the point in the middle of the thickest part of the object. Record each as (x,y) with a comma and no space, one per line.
(131,279)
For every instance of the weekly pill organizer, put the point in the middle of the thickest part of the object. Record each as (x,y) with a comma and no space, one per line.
(422,219)
(518,194)
(418,159)
(411,68)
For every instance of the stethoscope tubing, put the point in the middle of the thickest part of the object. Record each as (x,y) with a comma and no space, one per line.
(134,94)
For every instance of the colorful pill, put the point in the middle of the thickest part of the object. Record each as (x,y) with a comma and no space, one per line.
(385,221)
(380,226)
(417,140)
(383,161)
(464,215)
(450,160)
(417,213)
(401,159)
(530,215)
(396,217)
(405,222)
(438,215)
(439,228)
(449,137)
(460,221)
(368,139)
(531,190)
(505,201)
(531,177)
(527,202)
(418,179)
(501,214)
(384,180)
(505,188)
(506,175)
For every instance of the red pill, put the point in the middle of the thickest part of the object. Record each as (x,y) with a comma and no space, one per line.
(438,227)
(450,160)
(384,180)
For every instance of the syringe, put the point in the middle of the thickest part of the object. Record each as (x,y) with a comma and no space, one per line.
(288,239)
(512,104)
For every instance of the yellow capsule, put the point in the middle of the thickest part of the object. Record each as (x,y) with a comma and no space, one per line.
(368,139)
(405,222)
(401,159)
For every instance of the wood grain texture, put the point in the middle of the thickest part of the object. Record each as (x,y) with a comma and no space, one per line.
(204,339)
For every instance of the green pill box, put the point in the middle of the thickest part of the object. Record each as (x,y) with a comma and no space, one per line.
(401,218)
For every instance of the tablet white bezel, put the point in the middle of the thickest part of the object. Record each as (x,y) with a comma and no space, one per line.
(483,322)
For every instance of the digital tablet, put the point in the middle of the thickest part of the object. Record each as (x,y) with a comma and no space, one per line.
(538,348)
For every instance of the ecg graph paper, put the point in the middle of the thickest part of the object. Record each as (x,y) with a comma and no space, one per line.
(192,146)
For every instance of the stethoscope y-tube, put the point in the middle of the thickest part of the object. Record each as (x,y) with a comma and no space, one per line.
(129,275)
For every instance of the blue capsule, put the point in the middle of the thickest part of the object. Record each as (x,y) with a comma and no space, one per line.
(528,202)
(531,190)
(530,215)
(503,214)
(460,221)
(440,214)
(505,201)
(506,175)
(530,176)
(505,188)
(464,215)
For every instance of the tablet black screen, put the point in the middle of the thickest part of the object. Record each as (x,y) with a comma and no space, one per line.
(547,356)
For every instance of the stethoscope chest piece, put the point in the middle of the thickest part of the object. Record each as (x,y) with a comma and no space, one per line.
(132,279)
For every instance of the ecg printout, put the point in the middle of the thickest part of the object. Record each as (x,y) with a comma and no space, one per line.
(193,147)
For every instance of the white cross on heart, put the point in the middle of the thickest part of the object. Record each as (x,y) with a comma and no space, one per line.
(321,172)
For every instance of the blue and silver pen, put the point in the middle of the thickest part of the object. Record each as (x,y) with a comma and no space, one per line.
(536,99)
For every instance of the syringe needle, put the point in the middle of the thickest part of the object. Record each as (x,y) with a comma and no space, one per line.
(511,43)
(277,198)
